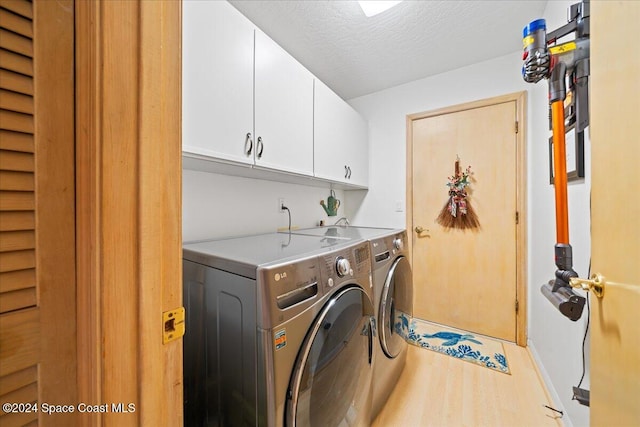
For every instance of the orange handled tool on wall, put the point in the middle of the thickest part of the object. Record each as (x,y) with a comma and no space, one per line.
(564,65)
(560,173)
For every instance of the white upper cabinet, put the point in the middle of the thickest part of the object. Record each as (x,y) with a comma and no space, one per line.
(217,81)
(341,150)
(283,109)
(247,102)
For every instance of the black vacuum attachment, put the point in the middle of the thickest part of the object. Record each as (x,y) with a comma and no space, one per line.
(558,291)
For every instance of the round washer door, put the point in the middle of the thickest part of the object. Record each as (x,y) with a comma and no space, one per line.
(396,307)
(331,379)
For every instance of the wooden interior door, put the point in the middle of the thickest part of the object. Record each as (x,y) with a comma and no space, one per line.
(615,236)
(37,216)
(467,278)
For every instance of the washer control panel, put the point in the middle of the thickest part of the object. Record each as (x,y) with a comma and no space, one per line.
(343,267)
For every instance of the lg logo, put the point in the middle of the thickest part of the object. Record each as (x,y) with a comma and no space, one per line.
(279,276)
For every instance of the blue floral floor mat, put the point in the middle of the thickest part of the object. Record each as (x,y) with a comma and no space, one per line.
(456,343)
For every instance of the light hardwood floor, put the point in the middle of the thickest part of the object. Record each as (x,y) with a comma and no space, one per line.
(439,390)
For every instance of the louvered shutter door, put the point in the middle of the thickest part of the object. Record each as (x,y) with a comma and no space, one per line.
(17,183)
(17,212)
(36,207)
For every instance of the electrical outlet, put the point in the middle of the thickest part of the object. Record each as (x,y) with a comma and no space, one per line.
(281,204)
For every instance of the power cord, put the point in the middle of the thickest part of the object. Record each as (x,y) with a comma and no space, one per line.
(584,340)
(580,394)
(289,212)
(586,331)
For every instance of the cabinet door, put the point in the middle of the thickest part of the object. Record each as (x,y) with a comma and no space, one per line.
(340,139)
(217,81)
(330,159)
(283,109)
(357,134)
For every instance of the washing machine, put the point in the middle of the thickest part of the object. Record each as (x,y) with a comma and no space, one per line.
(280,331)
(393,300)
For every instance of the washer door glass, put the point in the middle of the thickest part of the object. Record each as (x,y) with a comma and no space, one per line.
(331,380)
(396,307)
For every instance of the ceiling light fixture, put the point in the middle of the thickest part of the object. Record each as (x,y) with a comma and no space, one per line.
(372,8)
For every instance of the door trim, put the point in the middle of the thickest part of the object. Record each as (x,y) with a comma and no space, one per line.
(129,214)
(520,98)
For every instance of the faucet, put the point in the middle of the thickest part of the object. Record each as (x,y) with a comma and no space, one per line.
(344,218)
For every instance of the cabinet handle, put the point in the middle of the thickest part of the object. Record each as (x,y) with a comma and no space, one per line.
(346,171)
(259,147)
(349,172)
(248,142)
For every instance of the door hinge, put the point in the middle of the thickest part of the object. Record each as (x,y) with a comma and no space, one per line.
(517,306)
(517,126)
(517,217)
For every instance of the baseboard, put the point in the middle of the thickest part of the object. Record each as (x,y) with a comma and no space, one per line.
(550,390)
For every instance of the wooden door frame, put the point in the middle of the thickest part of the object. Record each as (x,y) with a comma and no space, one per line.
(129,214)
(520,98)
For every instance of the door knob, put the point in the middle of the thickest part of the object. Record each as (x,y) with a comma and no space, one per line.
(420,229)
(595,284)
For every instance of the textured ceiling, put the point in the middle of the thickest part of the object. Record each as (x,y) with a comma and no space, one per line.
(356,55)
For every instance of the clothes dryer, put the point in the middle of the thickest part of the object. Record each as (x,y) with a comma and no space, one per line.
(279,331)
(393,300)
(393,290)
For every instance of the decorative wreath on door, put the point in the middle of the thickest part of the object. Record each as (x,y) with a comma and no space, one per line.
(458,212)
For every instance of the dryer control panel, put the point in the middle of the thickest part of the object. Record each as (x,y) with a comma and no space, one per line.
(385,249)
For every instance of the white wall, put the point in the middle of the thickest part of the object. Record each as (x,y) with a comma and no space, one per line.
(217,206)
(557,340)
